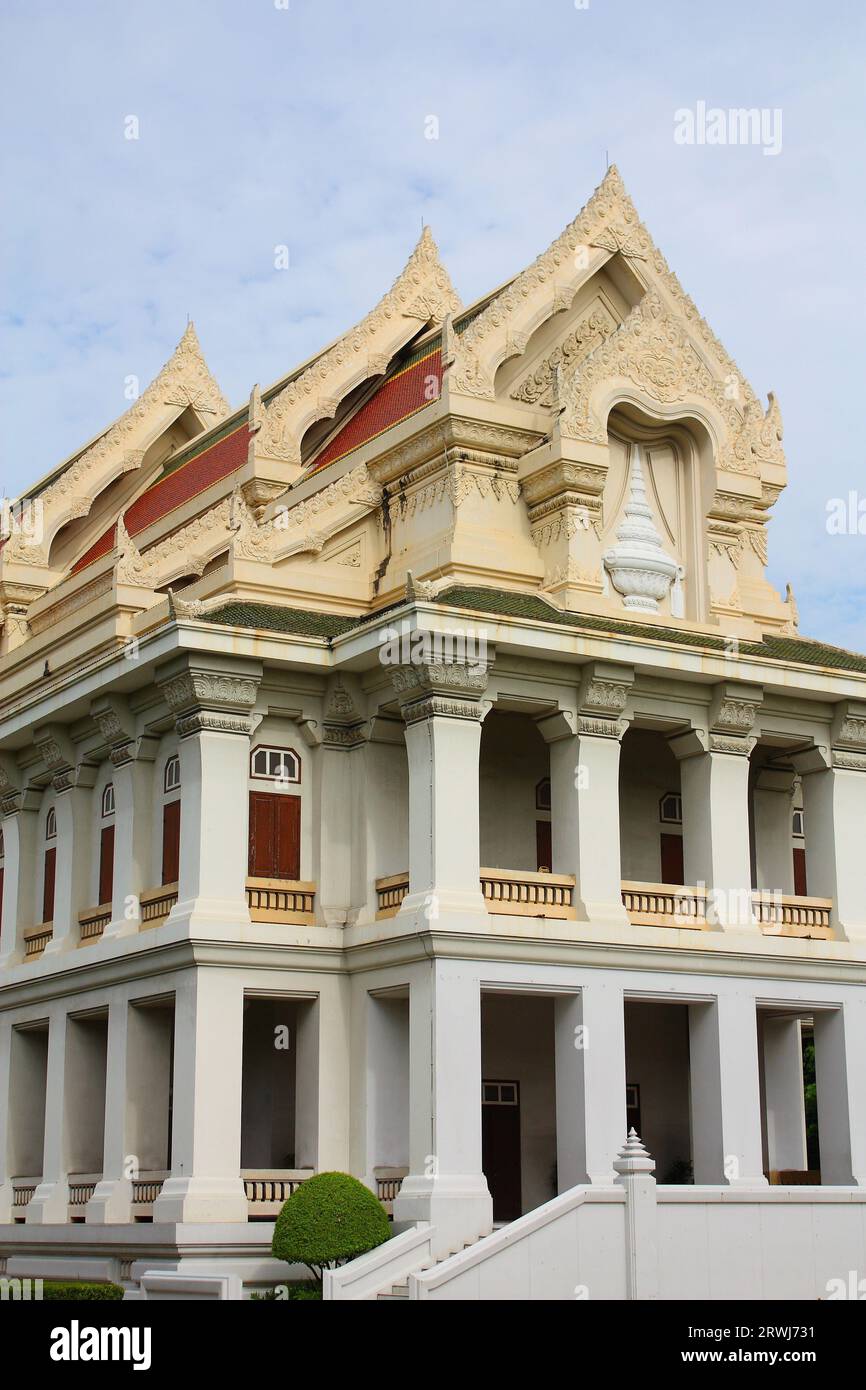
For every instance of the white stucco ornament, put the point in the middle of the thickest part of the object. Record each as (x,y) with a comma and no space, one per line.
(638,566)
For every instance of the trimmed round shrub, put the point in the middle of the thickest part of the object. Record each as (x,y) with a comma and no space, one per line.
(329,1219)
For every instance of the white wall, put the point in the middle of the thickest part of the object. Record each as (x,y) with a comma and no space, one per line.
(657,1060)
(517,1044)
(514,759)
(648,769)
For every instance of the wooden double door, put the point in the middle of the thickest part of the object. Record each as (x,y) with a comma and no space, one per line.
(275,835)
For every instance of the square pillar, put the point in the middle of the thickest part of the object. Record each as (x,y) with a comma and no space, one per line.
(442,709)
(725,1091)
(6,1123)
(112,1198)
(20,842)
(784,1095)
(584,786)
(446,1184)
(590,1084)
(834,800)
(773,802)
(205,1182)
(212,708)
(133,833)
(50,1202)
(714,783)
(322,1080)
(74,846)
(840,1082)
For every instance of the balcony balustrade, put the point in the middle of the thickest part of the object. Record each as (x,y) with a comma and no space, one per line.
(268,1188)
(93,921)
(36,939)
(286,901)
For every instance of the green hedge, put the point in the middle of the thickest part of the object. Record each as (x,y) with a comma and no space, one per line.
(56,1291)
(332,1217)
(288,1293)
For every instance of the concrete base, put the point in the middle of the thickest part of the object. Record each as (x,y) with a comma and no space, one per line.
(458,1206)
(49,1204)
(111,1202)
(200,1199)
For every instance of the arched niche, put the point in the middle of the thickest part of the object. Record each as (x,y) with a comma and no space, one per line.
(679,475)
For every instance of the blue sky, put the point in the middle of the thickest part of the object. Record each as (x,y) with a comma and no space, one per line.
(305,126)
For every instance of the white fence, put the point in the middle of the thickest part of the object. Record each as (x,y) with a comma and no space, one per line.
(635,1239)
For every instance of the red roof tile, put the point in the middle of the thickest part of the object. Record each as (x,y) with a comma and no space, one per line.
(173,489)
(397,398)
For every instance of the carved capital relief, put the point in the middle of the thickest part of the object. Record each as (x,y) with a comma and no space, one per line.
(733,711)
(848,737)
(210,701)
(343,725)
(602,699)
(450,689)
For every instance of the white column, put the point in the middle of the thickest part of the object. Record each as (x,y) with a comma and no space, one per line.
(441,707)
(74,846)
(133,832)
(50,1202)
(584,784)
(112,1197)
(386,1104)
(6,1173)
(212,710)
(840,1083)
(20,833)
(446,1184)
(725,1091)
(773,800)
(590,1084)
(714,782)
(784,1095)
(205,1182)
(834,801)
(322,1079)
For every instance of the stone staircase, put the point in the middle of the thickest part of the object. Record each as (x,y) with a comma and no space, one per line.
(400,1290)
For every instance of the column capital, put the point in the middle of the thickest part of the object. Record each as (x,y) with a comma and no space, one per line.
(848,736)
(343,724)
(733,710)
(429,689)
(604,691)
(209,695)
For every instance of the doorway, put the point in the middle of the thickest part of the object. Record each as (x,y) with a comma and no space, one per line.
(500,1146)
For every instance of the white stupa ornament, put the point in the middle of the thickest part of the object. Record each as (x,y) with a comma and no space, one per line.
(638,566)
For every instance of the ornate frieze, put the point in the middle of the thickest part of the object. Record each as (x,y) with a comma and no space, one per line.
(422,293)
(209,700)
(450,689)
(539,388)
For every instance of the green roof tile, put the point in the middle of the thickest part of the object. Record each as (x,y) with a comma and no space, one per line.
(531,608)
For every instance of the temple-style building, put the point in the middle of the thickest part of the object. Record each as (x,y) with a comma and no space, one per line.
(414,773)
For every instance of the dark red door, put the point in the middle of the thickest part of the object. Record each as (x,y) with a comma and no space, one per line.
(500,1150)
(106,864)
(171,841)
(275,835)
(800,873)
(48,885)
(543,846)
(672,858)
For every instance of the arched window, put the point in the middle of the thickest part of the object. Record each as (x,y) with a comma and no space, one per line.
(171,780)
(542,795)
(49,865)
(171,821)
(671,809)
(105,887)
(275,764)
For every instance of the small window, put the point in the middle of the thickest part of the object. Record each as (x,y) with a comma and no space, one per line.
(108,800)
(799,825)
(500,1092)
(171,782)
(275,764)
(50,824)
(671,809)
(542,795)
